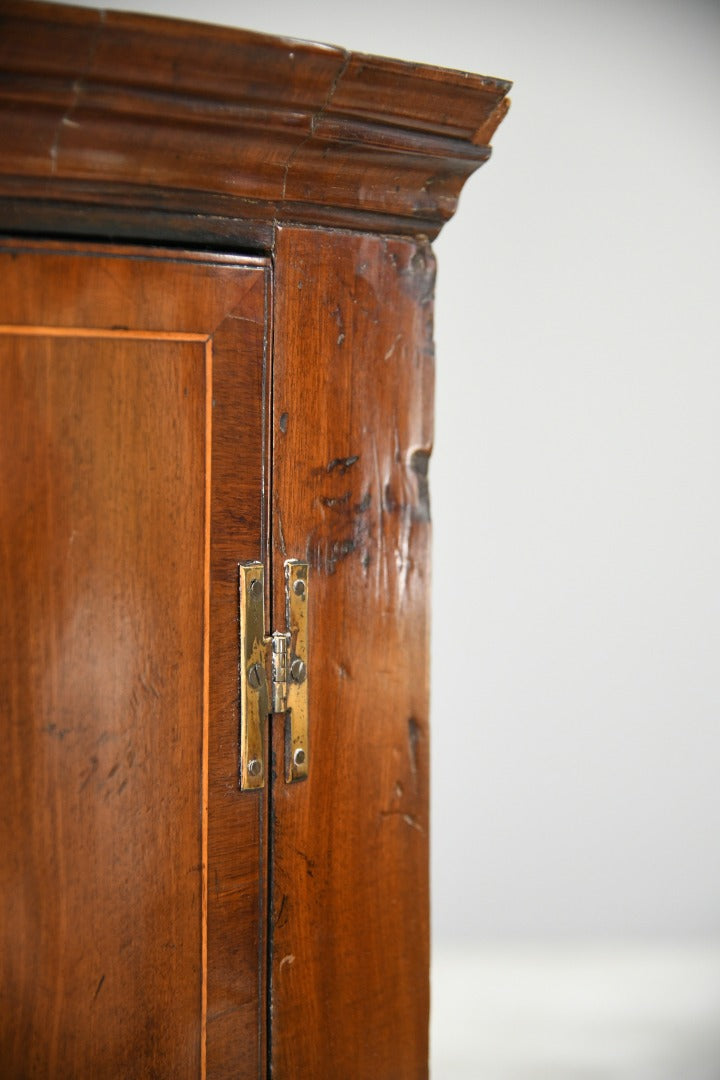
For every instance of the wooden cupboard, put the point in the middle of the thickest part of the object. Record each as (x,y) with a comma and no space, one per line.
(216,350)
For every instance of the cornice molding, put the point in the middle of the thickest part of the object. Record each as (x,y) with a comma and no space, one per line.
(134,115)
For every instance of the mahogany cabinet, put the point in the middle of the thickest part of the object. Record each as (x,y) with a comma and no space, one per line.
(216,375)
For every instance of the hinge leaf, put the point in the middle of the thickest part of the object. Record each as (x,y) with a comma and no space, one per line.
(296,725)
(254,702)
(273,672)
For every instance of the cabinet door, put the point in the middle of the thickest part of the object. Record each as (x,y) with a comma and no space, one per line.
(131,456)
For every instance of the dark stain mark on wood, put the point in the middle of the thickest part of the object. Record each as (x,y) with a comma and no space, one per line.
(58,733)
(422,271)
(389,501)
(309,863)
(325,552)
(89,772)
(284,422)
(347,527)
(342,464)
(419,462)
(340,549)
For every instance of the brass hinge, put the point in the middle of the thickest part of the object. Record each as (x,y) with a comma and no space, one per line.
(273,673)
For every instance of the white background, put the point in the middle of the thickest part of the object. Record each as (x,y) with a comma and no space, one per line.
(576,697)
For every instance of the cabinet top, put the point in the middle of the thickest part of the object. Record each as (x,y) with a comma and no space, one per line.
(179,130)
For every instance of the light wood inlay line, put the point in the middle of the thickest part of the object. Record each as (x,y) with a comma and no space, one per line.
(206,699)
(101,332)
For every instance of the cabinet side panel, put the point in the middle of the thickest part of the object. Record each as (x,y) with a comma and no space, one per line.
(352,416)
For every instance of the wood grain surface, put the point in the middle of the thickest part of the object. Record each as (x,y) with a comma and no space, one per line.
(132,871)
(352,429)
(158,128)
(165,415)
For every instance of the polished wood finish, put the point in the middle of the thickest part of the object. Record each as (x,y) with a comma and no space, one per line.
(132,870)
(237,821)
(143,127)
(165,415)
(350,942)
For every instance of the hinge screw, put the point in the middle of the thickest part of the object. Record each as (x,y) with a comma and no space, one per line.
(256,587)
(254,767)
(255,679)
(298,671)
(299,587)
(299,756)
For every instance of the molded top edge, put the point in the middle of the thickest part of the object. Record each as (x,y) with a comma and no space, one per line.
(272,128)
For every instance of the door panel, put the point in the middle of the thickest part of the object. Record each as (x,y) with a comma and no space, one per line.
(104,679)
(131,452)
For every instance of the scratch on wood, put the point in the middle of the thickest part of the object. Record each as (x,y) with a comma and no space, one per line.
(66,119)
(335,501)
(99,987)
(289,959)
(281,535)
(409,819)
(314,122)
(243,318)
(89,772)
(149,687)
(278,920)
(391,350)
(338,317)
